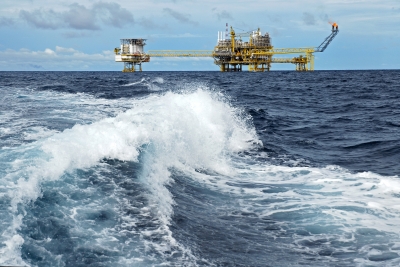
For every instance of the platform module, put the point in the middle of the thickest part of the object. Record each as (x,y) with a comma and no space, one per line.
(233,51)
(131,52)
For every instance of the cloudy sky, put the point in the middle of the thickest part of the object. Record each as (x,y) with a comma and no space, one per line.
(81,35)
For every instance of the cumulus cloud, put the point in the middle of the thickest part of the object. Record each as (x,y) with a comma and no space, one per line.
(79,17)
(50,52)
(308,18)
(179,16)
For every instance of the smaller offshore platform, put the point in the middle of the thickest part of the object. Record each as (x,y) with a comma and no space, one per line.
(131,52)
(232,52)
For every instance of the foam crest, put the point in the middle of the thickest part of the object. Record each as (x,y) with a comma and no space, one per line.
(195,130)
(158,80)
(134,83)
(149,83)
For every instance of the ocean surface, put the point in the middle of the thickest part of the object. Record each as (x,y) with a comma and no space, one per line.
(200,168)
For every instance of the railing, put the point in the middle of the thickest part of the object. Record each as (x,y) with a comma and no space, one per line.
(180,53)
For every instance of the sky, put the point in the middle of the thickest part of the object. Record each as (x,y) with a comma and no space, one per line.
(48,35)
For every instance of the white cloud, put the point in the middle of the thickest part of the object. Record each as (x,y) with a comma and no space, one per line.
(60,49)
(49,52)
(60,58)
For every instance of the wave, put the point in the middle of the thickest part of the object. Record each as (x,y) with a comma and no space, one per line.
(187,130)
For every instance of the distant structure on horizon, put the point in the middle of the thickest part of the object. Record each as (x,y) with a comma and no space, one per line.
(230,54)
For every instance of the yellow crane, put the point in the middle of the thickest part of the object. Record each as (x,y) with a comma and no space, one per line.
(230,54)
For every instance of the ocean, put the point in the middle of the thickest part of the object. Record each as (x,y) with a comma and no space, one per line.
(280,168)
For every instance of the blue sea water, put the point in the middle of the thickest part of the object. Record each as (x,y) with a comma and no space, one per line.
(200,168)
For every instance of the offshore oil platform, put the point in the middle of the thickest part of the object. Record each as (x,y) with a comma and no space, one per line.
(230,54)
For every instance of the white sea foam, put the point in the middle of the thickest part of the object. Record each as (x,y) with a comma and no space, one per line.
(337,205)
(158,80)
(37,133)
(331,186)
(134,83)
(150,84)
(194,129)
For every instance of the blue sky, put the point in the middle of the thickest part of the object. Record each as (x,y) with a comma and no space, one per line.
(81,35)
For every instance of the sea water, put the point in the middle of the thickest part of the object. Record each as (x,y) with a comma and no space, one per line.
(200,168)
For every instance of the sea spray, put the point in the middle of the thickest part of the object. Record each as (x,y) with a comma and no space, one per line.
(193,129)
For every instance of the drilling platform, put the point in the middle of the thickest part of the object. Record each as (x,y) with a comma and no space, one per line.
(231,52)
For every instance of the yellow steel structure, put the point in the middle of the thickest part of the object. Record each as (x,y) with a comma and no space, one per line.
(179,53)
(229,54)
